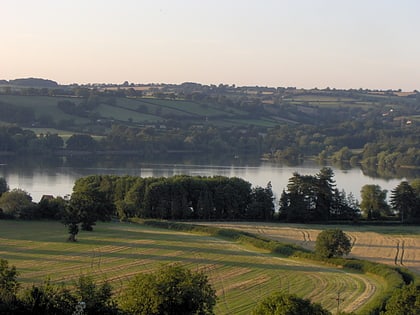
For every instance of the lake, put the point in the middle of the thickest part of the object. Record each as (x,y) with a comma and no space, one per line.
(56,176)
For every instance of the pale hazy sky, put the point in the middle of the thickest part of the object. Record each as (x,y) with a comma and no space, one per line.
(304,43)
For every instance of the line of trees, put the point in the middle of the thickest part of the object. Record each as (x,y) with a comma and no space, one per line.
(174,198)
(308,198)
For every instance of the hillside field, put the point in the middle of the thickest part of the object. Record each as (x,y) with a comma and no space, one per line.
(392,245)
(116,251)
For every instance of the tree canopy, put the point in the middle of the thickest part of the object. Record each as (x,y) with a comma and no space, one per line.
(374,205)
(332,243)
(171,290)
(405,202)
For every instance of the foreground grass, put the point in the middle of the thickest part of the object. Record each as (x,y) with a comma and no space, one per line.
(242,275)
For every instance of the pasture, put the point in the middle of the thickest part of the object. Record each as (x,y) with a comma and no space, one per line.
(391,245)
(241,275)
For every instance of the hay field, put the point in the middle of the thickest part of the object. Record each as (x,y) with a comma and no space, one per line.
(396,246)
(116,251)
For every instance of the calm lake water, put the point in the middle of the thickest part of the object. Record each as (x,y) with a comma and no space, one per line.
(56,176)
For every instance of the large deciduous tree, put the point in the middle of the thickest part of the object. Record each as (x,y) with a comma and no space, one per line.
(92,200)
(171,290)
(374,205)
(332,243)
(17,204)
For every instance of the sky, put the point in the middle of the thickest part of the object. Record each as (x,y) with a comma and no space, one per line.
(370,44)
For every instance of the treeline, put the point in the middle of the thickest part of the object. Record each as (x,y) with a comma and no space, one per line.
(102,197)
(173,198)
(307,199)
(14,139)
(379,148)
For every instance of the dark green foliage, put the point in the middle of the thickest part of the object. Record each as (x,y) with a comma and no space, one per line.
(174,198)
(96,298)
(51,208)
(314,198)
(92,200)
(405,301)
(332,243)
(171,290)
(262,206)
(405,202)
(48,299)
(285,304)
(70,217)
(17,204)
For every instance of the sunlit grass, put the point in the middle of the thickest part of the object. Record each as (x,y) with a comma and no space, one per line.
(117,251)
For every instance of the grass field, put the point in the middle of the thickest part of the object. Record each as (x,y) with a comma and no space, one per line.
(392,245)
(116,251)
(44,105)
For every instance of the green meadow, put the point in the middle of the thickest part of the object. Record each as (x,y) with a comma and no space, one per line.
(241,274)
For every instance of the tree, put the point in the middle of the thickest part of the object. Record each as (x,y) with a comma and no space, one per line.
(261,206)
(90,201)
(404,201)
(17,204)
(71,218)
(332,243)
(374,205)
(324,189)
(286,304)
(405,301)
(171,290)
(51,208)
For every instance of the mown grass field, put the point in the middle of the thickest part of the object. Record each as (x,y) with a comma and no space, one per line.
(391,245)
(116,251)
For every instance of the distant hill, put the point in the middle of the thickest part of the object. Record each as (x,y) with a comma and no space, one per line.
(33,82)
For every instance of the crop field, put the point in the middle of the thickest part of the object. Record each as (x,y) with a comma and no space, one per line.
(116,251)
(396,246)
